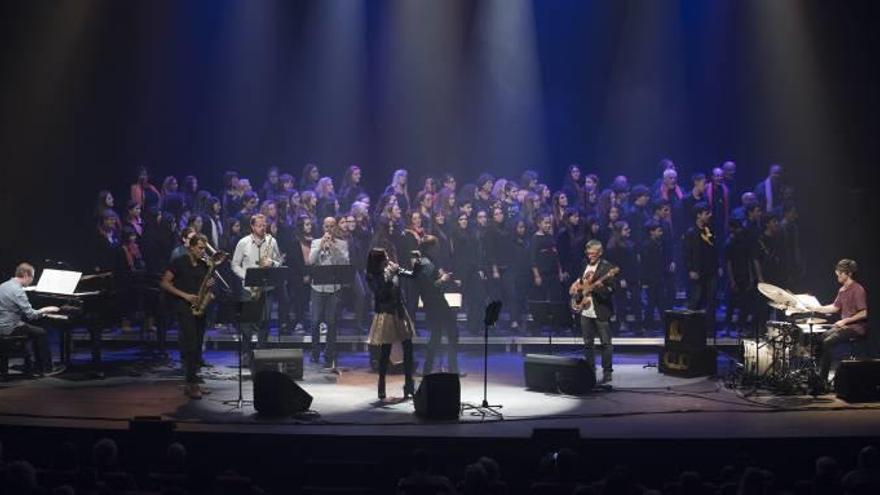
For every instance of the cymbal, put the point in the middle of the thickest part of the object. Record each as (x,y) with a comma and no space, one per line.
(775,305)
(811,321)
(777,295)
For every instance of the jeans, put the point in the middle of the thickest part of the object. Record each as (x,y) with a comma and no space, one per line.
(590,327)
(830,340)
(324,310)
(39,346)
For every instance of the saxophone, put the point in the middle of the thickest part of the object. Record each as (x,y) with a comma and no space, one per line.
(206,295)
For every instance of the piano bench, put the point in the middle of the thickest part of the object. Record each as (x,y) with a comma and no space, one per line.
(13,346)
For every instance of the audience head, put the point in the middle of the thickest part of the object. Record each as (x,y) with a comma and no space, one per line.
(104,454)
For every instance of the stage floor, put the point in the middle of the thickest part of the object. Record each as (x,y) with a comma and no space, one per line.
(641,403)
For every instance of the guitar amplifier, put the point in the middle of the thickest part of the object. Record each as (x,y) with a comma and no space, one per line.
(286,361)
(685,329)
(858,380)
(688,363)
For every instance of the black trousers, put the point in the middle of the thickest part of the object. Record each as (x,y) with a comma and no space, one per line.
(590,328)
(830,340)
(441,321)
(701,295)
(189,339)
(385,358)
(655,299)
(39,341)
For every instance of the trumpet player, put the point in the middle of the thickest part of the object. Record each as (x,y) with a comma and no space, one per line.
(256,250)
(183,278)
(329,250)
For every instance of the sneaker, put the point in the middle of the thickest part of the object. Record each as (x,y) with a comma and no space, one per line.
(56,370)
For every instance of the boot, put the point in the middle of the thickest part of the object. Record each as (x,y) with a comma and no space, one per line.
(408,388)
(381,388)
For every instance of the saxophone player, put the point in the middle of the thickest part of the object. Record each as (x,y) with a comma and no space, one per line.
(184,278)
(257,250)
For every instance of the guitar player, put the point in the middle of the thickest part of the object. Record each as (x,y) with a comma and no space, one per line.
(592,294)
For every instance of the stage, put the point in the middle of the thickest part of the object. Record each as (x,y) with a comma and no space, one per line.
(640,403)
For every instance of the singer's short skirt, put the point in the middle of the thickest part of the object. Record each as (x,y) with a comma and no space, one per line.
(390,328)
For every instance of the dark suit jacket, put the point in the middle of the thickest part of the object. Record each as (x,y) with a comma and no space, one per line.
(602,295)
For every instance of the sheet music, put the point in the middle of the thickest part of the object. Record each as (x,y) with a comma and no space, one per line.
(58,281)
(807,300)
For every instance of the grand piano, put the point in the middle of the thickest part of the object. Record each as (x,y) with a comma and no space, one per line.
(87,302)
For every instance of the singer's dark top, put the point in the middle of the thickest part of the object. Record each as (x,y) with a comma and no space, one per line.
(387,295)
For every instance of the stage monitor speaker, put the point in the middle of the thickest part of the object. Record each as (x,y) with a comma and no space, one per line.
(685,329)
(858,380)
(688,363)
(559,374)
(287,361)
(276,395)
(439,396)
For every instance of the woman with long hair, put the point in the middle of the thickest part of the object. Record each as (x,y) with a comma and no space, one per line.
(591,194)
(391,322)
(133,219)
(399,188)
(559,204)
(105,202)
(446,202)
(145,192)
(327,205)
(350,187)
(190,193)
(310,176)
(571,242)
(572,186)
(621,252)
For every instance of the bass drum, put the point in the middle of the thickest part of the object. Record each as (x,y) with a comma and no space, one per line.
(768,356)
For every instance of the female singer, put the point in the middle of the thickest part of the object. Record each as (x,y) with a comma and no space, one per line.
(391,323)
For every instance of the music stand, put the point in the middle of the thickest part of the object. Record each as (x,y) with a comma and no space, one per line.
(250,311)
(341,275)
(493,310)
(552,314)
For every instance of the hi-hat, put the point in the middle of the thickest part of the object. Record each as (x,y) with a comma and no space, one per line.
(778,295)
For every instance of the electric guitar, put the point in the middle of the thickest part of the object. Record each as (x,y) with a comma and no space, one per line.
(580,300)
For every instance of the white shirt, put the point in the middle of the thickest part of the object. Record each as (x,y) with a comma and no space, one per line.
(249,251)
(337,254)
(590,312)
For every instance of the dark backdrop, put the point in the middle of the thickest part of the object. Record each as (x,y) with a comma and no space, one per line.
(92,89)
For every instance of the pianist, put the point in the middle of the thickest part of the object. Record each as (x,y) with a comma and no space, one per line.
(15,314)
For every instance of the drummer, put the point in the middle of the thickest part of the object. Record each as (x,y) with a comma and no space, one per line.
(852,304)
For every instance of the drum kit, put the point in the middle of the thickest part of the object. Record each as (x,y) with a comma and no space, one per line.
(785,359)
